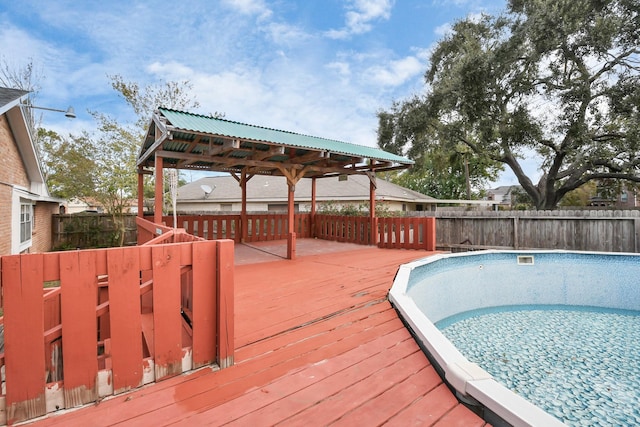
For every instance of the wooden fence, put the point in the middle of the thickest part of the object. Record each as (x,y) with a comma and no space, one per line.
(113,321)
(90,230)
(586,230)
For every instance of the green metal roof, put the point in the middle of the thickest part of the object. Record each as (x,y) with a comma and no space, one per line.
(193,138)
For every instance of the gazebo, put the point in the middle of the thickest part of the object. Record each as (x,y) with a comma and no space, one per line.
(182,140)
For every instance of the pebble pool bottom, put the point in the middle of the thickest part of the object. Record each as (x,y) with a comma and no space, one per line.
(580,364)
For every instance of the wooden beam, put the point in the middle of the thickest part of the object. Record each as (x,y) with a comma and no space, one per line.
(165,133)
(159,191)
(227,145)
(140,193)
(228,164)
(277,150)
(197,141)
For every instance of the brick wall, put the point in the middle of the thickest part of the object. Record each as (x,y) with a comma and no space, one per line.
(5,219)
(12,172)
(41,235)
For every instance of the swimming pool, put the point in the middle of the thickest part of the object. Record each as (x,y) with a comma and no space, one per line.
(433,289)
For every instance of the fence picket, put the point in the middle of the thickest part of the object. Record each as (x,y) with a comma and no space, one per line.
(125,318)
(167,321)
(205,297)
(80,282)
(24,346)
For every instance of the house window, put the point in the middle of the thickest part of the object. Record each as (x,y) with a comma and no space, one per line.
(26,222)
(624,197)
(226,207)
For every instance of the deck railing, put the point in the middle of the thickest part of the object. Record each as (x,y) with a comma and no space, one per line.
(348,229)
(393,232)
(114,320)
(260,227)
(407,233)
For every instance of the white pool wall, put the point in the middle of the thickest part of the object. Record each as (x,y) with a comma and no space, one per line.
(433,288)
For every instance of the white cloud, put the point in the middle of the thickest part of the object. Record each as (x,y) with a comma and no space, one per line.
(443,30)
(250,7)
(285,34)
(360,15)
(398,72)
(343,69)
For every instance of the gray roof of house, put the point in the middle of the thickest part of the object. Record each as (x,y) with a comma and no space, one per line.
(266,189)
(10,96)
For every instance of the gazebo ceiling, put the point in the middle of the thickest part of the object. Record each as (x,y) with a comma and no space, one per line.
(196,142)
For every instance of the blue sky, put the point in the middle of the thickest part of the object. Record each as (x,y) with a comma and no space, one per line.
(319,67)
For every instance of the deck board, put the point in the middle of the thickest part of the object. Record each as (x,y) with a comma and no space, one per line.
(317,343)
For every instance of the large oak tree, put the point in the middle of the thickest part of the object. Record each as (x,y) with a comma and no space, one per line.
(557,80)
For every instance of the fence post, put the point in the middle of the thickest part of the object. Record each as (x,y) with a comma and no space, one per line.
(430,234)
(225,309)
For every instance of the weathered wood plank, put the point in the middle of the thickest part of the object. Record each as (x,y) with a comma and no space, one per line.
(22,279)
(79,284)
(125,318)
(204,303)
(167,321)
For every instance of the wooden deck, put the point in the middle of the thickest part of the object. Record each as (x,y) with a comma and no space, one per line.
(317,343)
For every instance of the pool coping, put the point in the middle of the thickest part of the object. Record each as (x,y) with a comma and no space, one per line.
(471,382)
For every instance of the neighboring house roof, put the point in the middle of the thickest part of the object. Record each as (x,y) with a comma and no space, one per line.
(502,193)
(191,141)
(267,189)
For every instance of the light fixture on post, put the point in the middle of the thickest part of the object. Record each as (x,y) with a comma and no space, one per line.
(69,113)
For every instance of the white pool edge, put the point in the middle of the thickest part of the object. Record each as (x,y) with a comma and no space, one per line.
(467,378)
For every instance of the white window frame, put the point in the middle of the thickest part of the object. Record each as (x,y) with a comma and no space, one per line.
(26,220)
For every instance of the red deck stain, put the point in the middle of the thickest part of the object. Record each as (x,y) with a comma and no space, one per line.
(316,343)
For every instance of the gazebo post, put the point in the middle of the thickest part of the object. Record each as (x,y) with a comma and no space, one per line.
(291,235)
(244,229)
(159,193)
(140,192)
(373,221)
(312,214)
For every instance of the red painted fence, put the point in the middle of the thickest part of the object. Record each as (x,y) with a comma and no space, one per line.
(120,318)
(260,227)
(407,233)
(393,232)
(348,229)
